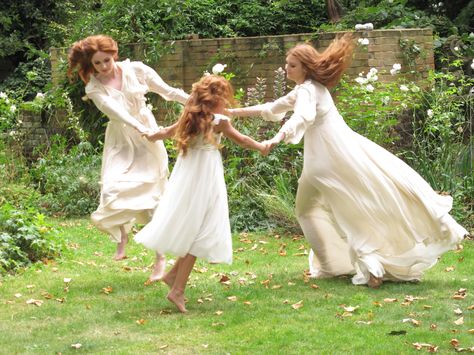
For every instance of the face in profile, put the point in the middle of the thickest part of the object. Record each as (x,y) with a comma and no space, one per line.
(295,70)
(103,63)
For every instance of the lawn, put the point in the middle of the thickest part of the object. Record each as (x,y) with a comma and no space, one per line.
(263,303)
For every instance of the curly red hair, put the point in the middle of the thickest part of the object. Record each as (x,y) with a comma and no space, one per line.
(81,52)
(206,95)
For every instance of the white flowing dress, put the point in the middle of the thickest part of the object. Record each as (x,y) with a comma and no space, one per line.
(362,209)
(134,171)
(193,214)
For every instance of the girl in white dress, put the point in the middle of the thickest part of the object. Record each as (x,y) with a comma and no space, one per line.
(362,209)
(192,219)
(134,170)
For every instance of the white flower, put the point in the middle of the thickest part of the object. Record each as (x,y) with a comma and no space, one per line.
(206,73)
(471,35)
(369,88)
(369,26)
(218,68)
(39,95)
(12,133)
(363,41)
(3,95)
(393,71)
(361,80)
(404,88)
(440,4)
(12,108)
(385,100)
(359,27)
(404,105)
(415,88)
(150,107)
(472,64)
(456,48)
(397,66)
(429,113)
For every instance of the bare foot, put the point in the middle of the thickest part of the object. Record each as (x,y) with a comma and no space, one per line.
(374,282)
(178,299)
(158,271)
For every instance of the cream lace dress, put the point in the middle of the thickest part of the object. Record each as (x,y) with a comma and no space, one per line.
(193,214)
(362,209)
(134,171)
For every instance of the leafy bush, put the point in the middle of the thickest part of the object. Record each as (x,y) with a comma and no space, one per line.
(25,238)
(68,180)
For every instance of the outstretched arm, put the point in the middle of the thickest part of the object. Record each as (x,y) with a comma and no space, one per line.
(162,133)
(238,138)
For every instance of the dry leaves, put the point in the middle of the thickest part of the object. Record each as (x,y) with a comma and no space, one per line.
(460,294)
(297,305)
(430,348)
(38,303)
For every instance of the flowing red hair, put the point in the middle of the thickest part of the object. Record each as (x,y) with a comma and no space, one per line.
(326,67)
(206,95)
(81,52)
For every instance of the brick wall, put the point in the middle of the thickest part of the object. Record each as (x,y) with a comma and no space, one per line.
(251,57)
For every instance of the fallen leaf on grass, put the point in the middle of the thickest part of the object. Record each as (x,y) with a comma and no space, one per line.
(218,324)
(314,286)
(450,268)
(276,287)
(430,348)
(30,286)
(38,303)
(247,303)
(470,308)
(350,309)
(390,300)
(205,346)
(76,346)
(460,294)
(297,305)
(107,290)
(471,331)
(232,298)
(426,306)
(458,311)
(459,321)
(433,326)
(163,347)
(18,295)
(141,321)
(219,313)
(454,342)
(415,322)
(224,278)
(67,280)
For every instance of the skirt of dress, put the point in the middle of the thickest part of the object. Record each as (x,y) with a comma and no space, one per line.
(372,213)
(193,215)
(133,178)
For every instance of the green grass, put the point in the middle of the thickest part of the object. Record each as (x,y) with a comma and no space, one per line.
(134,319)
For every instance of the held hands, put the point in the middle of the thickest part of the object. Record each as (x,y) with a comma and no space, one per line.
(153,136)
(268,145)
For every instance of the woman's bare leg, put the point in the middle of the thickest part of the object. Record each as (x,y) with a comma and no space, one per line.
(120,253)
(176,294)
(170,276)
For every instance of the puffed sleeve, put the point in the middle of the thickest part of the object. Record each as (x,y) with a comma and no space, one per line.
(304,114)
(158,86)
(276,110)
(113,109)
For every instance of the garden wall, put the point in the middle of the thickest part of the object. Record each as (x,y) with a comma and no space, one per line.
(251,57)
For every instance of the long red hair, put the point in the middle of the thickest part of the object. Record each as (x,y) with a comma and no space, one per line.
(81,52)
(206,95)
(326,67)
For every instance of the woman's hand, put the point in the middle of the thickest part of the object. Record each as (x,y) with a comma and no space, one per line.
(154,136)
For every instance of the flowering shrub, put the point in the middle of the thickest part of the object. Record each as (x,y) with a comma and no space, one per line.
(25,238)
(8,112)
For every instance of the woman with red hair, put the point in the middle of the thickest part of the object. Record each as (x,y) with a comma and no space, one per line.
(134,170)
(192,219)
(362,209)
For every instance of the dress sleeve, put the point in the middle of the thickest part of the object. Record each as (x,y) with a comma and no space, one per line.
(158,86)
(114,110)
(304,114)
(276,110)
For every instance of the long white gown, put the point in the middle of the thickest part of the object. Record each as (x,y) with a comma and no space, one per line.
(193,214)
(362,209)
(134,171)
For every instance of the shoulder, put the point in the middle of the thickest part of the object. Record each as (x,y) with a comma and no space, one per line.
(139,67)
(220,119)
(93,85)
